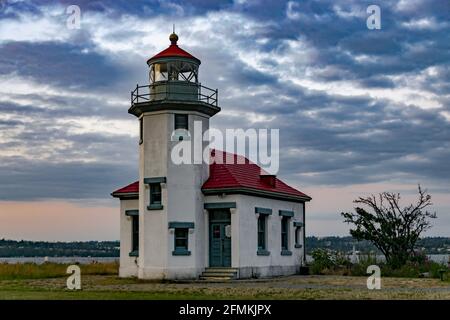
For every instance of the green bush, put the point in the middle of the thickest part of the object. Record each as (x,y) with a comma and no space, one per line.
(329,262)
(360,268)
(322,261)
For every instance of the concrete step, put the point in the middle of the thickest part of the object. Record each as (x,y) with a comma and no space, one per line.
(219,274)
(221,269)
(216,278)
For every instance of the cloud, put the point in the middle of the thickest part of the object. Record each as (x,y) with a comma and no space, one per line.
(352,105)
(60,64)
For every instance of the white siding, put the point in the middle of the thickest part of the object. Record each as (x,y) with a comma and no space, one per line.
(128,265)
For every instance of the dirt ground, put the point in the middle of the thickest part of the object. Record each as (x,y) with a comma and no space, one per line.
(292,287)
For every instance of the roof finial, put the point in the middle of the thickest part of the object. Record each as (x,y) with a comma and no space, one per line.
(173,37)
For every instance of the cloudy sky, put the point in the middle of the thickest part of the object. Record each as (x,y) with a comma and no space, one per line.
(359,111)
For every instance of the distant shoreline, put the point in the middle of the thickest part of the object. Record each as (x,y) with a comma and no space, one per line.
(62,260)
(111,249)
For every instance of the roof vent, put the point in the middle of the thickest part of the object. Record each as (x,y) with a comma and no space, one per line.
(269,179)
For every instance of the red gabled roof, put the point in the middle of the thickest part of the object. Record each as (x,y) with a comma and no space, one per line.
(128,191)
(245,177)
(240,175)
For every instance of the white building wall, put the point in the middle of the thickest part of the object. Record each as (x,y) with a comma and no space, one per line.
(253,265)
(185,204)
(153,157)
(128,265)
(244,239)
(182,200)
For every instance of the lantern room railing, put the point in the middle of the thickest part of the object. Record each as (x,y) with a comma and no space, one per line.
(174,90)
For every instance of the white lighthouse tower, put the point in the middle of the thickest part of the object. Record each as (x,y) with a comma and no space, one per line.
(171,217)
(187,219)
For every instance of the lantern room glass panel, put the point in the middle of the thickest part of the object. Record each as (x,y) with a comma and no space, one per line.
(160,72)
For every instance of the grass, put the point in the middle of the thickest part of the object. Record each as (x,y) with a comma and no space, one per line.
(52,270)
(100,281)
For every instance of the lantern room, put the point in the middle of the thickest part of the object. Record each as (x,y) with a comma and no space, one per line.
(173,73)
(173,79)
(173,64)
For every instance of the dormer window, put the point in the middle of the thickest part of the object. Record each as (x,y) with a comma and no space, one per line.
(269,179)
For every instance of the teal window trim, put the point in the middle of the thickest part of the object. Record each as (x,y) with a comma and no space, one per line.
(261,252)
(286,253)
(286,213)
(266,211)
(181,252)
(155,180)
(219,205)
(131,213)
(298,227)
(134,253)
(181,121)
(185,225)
(262,231)
(181,242)
(155,195)
(285,233)
(135,233)
(155,207)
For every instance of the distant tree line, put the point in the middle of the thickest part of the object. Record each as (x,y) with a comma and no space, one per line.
(12,248)
(430,245)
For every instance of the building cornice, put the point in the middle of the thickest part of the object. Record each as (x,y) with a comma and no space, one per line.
(138,109)
(126,196)
(256,193)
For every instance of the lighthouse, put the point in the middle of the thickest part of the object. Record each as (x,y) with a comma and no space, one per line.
(171,102)
(200,220)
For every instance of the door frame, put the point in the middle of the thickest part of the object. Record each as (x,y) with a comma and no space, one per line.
(221,222)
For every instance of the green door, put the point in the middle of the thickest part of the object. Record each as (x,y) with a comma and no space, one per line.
(219,242)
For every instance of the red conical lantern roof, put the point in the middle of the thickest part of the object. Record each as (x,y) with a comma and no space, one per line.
(173,51)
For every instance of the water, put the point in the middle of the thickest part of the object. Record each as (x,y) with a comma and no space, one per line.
(439,258)
(68,260)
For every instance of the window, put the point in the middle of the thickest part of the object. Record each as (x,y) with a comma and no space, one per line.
(160,72)
(262,232)
(262,214)
(298,234)
(134,235)
(284,233)
(181,239)
(141,130)
(155,194)
(181,121)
